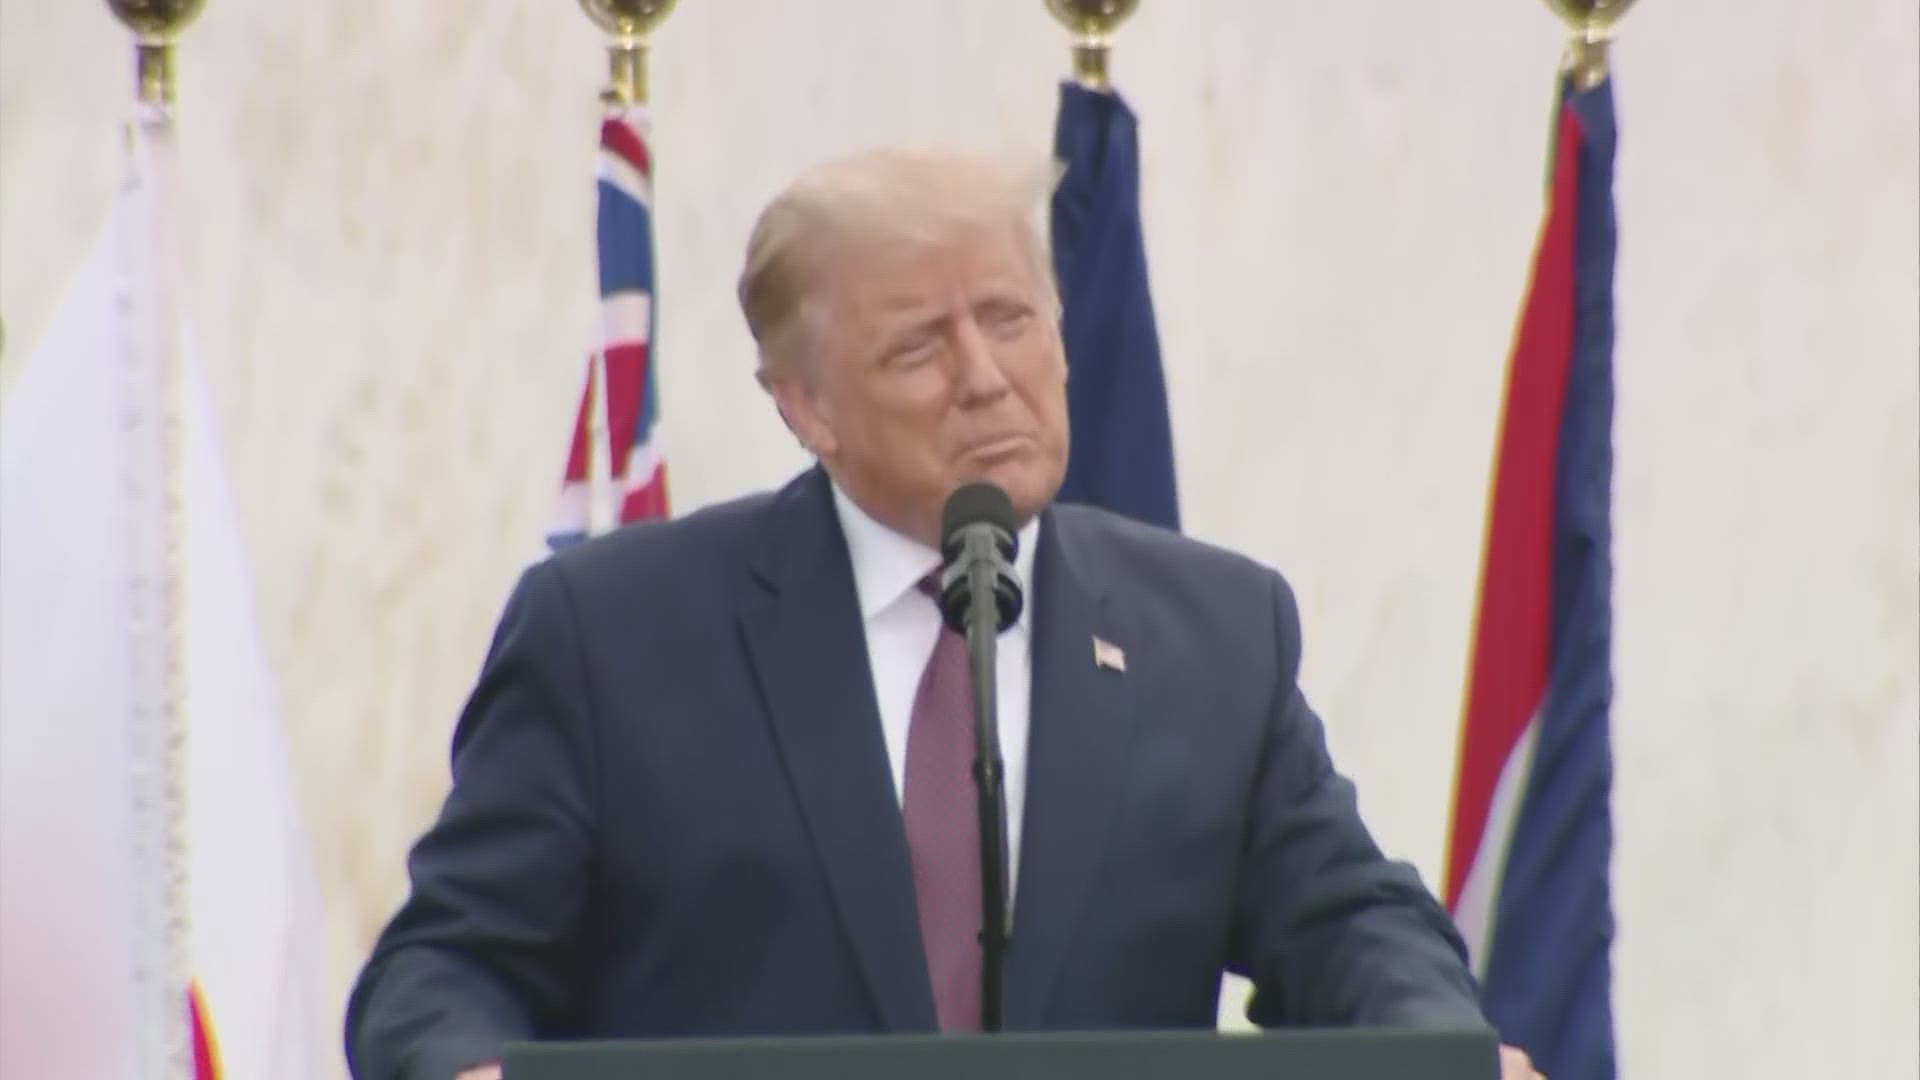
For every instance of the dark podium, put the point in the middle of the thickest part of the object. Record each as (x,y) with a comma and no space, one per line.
(1358,1054)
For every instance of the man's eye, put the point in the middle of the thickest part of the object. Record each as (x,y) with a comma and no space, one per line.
(1006,318)
(911,350)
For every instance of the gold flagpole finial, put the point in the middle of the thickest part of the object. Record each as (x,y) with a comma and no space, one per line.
(1592,23)
(156,25)
(630,24)
(1092,24)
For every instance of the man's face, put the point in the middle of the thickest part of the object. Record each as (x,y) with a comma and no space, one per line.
(937,365)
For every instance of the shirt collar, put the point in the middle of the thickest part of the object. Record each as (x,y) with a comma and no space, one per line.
(887,565)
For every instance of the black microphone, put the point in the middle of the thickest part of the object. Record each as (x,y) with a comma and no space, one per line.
(976,534)
(980,597)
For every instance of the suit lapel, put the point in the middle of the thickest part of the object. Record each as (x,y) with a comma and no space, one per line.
(802,624)
(1080,729)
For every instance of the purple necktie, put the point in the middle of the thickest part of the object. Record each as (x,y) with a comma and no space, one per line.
(941,807)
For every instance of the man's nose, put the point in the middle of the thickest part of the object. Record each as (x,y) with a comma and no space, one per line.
(980,376)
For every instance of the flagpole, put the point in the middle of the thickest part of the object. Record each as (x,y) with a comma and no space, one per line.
(1092,24)
(154,460)
(1591,24)
(629,26)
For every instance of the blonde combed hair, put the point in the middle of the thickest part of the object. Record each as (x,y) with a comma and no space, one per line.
(893,196)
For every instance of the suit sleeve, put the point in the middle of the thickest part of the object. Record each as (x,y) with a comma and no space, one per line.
(1329,930)
(486,947)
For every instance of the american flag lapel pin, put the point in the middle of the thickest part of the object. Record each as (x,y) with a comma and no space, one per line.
(1109,656)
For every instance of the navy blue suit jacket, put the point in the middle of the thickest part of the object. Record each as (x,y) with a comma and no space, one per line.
(672,811)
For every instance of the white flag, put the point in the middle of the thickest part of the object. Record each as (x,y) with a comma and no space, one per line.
(70,995)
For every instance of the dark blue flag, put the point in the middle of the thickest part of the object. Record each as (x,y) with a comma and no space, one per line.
(1122,457)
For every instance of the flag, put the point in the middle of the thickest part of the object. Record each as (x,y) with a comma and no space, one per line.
(114,967)
(1122,453)
(1531,838)
(620,401)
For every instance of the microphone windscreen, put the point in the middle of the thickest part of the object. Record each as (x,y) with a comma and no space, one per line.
(978,503)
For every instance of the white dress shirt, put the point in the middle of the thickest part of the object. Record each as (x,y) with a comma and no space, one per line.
(902,625)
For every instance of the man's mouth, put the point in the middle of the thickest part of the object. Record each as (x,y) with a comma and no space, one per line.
(997,446)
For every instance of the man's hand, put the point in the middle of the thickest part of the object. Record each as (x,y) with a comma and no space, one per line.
(1514,1065)
(492,1072)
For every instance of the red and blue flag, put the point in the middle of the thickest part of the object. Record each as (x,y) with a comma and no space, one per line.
(1532,836)
(621,387)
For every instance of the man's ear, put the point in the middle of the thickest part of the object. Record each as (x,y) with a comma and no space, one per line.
(766,384)
(801,411)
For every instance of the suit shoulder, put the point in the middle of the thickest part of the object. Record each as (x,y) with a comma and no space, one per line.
(1221,610)
(712,537)
(1131,545)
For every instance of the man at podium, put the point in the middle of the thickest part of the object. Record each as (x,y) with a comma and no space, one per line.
(715,777)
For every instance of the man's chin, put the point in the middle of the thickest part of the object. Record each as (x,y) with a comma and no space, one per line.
(1029,484)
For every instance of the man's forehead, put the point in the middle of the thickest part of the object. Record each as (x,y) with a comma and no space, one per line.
(910,276)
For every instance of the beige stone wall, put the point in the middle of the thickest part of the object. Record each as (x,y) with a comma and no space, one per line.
(391,278)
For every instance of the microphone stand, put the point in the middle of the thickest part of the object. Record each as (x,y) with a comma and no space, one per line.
(989,770)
